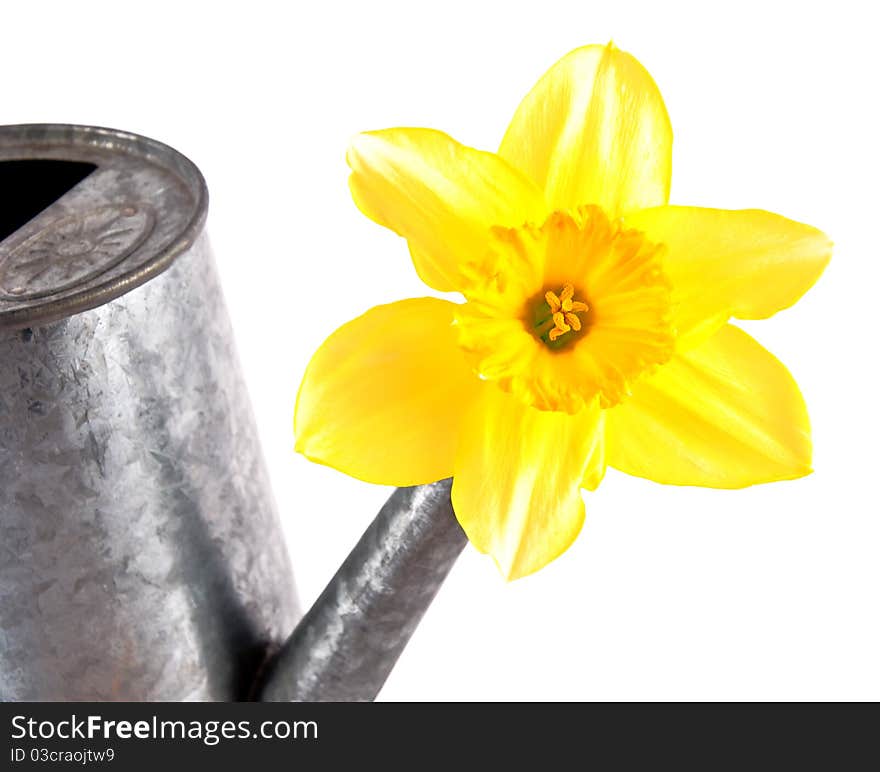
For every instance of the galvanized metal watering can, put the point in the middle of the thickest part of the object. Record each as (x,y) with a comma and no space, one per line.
(141,556)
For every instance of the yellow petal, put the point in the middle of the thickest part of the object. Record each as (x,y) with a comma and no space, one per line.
(594,130)
(518,473)
(443,197)
(748,264)
(596,462)
(383,397)
(726,414)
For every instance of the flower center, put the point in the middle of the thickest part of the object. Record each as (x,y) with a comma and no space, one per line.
(575,309)
(557,315)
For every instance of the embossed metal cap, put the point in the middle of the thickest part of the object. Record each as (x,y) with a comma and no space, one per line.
(87,215)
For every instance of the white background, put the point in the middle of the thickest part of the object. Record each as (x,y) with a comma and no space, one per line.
(669,593)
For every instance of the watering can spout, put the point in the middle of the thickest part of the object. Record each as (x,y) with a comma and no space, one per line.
(346,645)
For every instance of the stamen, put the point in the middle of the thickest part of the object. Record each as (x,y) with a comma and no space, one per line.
(559,316)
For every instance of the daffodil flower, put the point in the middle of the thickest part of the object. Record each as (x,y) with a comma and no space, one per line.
(595,324)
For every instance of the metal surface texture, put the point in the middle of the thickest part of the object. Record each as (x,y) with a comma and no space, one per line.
(141,556)
(346,645)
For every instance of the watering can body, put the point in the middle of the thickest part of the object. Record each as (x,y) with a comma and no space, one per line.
(141,555)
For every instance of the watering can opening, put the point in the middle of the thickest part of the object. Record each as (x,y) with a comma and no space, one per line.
(90,215)
(30,185)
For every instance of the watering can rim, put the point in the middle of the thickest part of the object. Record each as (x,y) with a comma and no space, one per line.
(91,144)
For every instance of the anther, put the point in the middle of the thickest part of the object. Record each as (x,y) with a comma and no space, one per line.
(562,317)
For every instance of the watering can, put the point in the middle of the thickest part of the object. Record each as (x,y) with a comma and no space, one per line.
(141,555)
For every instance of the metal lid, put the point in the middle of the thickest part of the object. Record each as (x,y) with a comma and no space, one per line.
(94,213)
